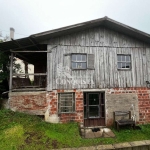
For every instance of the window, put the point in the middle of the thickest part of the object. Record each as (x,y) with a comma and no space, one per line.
(79,61)
(124,61)
(66,102)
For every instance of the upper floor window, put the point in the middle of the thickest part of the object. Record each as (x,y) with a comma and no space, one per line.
(124,61)
(79,61)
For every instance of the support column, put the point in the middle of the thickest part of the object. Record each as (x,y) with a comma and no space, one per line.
(11,72)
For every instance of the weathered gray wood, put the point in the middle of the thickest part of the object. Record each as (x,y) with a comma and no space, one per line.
(104,44)
(11,72)
(91,61)
(49,67)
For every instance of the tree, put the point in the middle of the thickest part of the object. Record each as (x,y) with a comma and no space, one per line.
(4,68)
(4,72)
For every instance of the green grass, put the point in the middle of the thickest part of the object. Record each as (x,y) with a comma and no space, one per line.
(20,131)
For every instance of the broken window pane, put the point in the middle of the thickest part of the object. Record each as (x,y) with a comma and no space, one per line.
(124,61)
(127,65)
(123,65)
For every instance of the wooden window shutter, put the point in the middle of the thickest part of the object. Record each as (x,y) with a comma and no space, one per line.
(90,61)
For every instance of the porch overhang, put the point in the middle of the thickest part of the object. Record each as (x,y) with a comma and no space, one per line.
(25,44)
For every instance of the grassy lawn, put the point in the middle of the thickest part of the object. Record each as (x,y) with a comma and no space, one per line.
(19,131)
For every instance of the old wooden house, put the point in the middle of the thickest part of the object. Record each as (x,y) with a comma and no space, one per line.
(83,73)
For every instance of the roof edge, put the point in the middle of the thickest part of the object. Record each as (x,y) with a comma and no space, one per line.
(87,23)
(69,27)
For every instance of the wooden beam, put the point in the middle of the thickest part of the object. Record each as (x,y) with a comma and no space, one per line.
(25,47)
(30,89)
(18,44)
(22,56)
(11,72)
(35,74)
(34,43)
(30,51)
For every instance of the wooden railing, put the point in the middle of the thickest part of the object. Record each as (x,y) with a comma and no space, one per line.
(22,82)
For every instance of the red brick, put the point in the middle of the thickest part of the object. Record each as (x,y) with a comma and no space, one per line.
(79,99)
(53,94)
(117,92)
(74,90)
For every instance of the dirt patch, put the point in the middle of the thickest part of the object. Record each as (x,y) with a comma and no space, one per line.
(21,147)
(55,144)
(33,137)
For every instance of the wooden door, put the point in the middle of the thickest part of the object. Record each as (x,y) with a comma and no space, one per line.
(94,109)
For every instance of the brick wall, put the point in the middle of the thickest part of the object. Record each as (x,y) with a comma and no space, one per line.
(67,117)
(116,99)
(29,102)
(142,94)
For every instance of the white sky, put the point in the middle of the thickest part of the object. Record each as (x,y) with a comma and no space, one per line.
(33,16)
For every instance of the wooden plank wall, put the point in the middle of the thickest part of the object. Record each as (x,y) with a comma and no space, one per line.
(105,44)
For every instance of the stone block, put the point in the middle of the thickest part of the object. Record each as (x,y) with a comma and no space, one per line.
(105,147)
(122,145)
(137,143)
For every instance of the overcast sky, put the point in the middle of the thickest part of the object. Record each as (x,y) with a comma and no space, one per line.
(33,16)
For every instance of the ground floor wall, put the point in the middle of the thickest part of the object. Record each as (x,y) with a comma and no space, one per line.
(30,102)
(136,100)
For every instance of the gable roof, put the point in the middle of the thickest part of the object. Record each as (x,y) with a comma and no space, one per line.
(33,41)
(105,21)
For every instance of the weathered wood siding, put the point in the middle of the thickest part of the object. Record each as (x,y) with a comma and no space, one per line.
(105,44)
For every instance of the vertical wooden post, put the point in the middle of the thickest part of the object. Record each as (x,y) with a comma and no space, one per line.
(11,72)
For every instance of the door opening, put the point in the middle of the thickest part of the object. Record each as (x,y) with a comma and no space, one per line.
(94,109)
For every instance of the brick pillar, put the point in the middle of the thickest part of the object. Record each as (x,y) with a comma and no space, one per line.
(79,106)
(144,105)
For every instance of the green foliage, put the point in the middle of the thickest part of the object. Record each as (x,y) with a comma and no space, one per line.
(4,69)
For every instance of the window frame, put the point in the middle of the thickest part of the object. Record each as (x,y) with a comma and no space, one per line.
(79,61)
(124,69)
(73,103)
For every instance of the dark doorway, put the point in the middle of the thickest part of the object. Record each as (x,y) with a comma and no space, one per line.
(94,109)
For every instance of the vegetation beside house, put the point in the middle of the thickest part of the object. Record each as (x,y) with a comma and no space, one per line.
(21,131)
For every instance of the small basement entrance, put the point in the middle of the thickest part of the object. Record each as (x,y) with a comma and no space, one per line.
(94,109)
